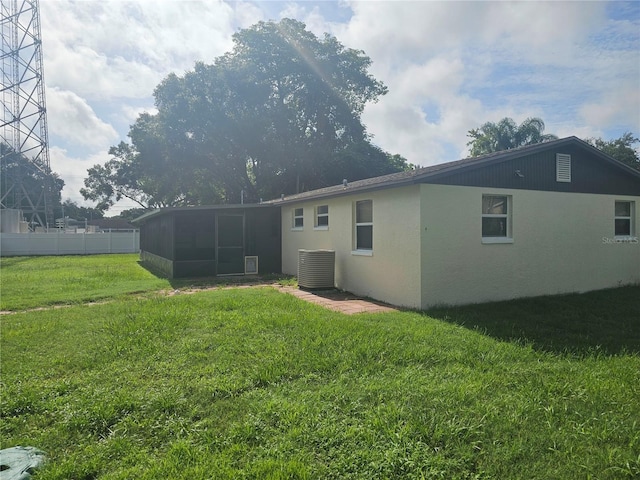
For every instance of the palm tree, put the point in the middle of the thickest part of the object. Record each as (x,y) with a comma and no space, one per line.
(506,134)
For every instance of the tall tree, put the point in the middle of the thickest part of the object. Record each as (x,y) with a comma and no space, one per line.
(16,168)
(279,113)
(507,134)
(153,171)
(131,214)
(311,94)
(118,178)
(71,209)
(620,148)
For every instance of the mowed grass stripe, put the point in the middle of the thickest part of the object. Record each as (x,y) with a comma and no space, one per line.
(252,383)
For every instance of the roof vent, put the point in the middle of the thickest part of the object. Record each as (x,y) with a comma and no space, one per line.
(345,184)
(563,167)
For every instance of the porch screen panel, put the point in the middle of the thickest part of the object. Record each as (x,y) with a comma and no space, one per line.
(195,237)
(230,244)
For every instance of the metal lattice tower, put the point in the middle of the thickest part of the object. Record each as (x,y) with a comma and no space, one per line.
(24,114)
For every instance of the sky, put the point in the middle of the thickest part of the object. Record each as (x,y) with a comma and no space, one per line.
(449,67)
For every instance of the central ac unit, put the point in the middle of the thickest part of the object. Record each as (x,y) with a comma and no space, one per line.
(316,269)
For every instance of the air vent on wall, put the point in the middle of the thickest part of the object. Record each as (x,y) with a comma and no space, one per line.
(251,265)
(316,268)
(563,167)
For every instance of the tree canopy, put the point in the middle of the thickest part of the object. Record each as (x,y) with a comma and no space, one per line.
(279,113)
(71,209)
(620,148)
(507,134)
(24,181)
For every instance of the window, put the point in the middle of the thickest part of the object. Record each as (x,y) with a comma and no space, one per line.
(298,218)
(364,225)
(563,167)
(623,219)
(496,224)
(322,216)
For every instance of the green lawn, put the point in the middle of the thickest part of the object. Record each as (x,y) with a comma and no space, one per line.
(31,282)
(254,383)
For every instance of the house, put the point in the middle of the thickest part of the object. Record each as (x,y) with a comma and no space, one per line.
(550,218)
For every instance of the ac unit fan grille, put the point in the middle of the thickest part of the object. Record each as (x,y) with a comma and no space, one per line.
(316,269)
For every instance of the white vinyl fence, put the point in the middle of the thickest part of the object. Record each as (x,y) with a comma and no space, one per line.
(59,243)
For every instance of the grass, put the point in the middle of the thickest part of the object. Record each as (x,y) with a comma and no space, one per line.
(34,282)
(31,282)
(606,321)
(253,383)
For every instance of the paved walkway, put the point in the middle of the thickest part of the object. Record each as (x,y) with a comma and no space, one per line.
(338,301)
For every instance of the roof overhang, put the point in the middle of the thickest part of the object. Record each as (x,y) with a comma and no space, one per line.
(159,212)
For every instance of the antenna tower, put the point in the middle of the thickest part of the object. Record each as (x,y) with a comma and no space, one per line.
(24,115)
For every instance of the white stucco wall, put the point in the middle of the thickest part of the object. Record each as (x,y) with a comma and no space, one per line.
(428,250)
(392,272)
(560,244)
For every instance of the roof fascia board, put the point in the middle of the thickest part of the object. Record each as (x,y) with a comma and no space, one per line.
(167,210)
(348,191)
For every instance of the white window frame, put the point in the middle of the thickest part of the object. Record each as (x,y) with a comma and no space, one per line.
(629,218)
(361,251)
(563,167)
(323,215)
(508,237)
(297,216)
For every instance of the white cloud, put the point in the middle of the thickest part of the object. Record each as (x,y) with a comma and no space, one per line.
(123,49)
(72,119)
(247,14)
(73,171)
(437,79)
(616,106)
(129,114)
(449,66)
(412,31)
(474,62)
